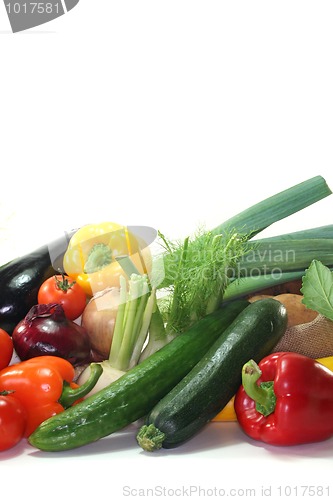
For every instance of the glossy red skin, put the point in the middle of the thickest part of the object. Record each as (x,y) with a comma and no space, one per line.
(40,414)
(304,405)
(37,385)
(6,348)
(34,384)
(13,421)
(73,300)
(51,334)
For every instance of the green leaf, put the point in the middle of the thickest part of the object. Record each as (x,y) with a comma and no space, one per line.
(317,289)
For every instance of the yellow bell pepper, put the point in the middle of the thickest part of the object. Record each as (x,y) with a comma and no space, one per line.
(328,362)
(228,413)
(92,253)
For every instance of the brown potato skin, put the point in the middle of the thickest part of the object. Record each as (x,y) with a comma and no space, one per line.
(298,313)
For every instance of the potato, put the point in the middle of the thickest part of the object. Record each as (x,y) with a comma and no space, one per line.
(254,298)
(298,313)
(289,287)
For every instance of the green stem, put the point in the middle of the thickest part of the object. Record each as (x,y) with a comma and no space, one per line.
(99,256)
(175,296)
(70,395)
(132,312)
(64,285)
(158,336)
(142,303)
(118,328)
(142,335)
(262,394)
(132,322)
(150,438)
(215,299)
(127,265)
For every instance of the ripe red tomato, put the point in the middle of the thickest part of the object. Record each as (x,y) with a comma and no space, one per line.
(13,421)
(63,290)
(6,349)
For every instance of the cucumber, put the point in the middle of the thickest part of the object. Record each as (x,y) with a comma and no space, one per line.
(136,392)
(210,385)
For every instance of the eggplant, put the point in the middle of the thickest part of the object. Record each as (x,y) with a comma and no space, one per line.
(21,278)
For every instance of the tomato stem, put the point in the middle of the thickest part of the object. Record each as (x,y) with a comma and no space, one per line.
(5,393)
(64,284)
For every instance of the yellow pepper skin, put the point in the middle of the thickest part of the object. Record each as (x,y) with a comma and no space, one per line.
(91,256)
(328,362)
(228,413)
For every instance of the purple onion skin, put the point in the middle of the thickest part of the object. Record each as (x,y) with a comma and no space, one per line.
(45,331)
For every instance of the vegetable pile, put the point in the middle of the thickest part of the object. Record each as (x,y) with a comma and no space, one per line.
(110,332)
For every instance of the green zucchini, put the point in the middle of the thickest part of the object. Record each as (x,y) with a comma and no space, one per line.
(136,392)
(210,385)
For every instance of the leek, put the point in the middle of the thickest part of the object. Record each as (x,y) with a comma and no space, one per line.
(286,255)
(243,287)
(277,207)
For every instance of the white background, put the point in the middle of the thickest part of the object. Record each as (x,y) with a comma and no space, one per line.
(169,114)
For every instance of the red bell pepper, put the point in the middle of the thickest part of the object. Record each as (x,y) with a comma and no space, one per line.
(286,400)
(44,385)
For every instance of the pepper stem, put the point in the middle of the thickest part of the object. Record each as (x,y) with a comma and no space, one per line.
(70,395)
(150,438)
(99,257)
(5,393)
(262,394)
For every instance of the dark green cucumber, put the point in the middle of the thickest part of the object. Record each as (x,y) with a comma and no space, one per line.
(210,385)
(134,394)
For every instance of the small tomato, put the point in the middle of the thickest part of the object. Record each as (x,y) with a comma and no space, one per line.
(13,421)
(63,290)
(6,349)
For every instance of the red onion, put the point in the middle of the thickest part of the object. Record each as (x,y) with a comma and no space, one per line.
(45,330)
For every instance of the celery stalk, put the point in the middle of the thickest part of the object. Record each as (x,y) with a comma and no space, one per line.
(118,328)
(132,322)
